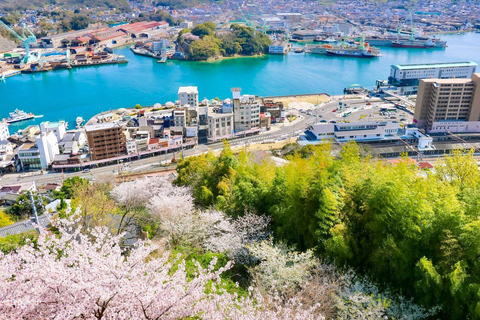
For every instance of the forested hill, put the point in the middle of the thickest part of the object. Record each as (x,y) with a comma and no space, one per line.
(14,5)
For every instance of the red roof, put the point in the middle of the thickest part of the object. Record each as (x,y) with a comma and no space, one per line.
(425,165)
(153,141)
(11,189)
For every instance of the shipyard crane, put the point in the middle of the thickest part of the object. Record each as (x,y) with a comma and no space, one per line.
(41,58)
(26,39)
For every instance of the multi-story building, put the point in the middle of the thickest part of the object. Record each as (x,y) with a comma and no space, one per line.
(220,125)
(188,95)
(105,140)
(442,104)
(406,76)
(4,134)
(246,111)
(58,128)
(39,155)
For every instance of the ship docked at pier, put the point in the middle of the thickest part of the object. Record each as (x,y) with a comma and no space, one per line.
(360,50)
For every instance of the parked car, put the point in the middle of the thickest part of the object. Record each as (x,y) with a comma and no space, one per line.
(323,121)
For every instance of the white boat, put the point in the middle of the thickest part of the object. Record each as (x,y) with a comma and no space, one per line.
(19,115)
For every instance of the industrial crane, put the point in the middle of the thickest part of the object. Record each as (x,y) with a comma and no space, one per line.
(26,39)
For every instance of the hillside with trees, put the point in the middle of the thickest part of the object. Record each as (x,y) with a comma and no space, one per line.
(410,231)
(19,5)
(189,261)
(239,40)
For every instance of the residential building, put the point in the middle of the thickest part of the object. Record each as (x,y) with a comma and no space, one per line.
(406,77)
(4,134)
(444,103)
(38,155)
(220,125)
(58,128)
(47,145)
(180,117)
(105,140)
(246,111)
(188,95)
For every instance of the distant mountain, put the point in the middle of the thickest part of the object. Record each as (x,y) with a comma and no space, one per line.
(13,5)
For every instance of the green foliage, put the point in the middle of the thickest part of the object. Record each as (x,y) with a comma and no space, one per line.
(204,29)
(67,189)
(10,243)
(240,40)
(79,22)
(5,219)
(138,107)
(195,255)
(417,233)
(22,208)
(205,48)
(20,5)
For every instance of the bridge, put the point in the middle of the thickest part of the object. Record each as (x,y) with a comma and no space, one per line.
(401,98)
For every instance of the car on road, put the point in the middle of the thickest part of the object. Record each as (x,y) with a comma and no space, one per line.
(86,170)
(368,104)
(403,119)
(334,110)
(323,121)
(333,121)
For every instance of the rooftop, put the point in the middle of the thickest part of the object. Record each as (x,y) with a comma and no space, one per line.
(190,89)
(434,65)
(101,126)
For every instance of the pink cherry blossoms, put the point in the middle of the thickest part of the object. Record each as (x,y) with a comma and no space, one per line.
(72,275)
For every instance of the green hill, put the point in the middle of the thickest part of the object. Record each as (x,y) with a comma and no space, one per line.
(14,5)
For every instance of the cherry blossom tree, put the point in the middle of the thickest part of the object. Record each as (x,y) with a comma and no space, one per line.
(72,275)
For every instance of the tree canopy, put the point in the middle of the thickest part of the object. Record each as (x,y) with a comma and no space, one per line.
(416,232)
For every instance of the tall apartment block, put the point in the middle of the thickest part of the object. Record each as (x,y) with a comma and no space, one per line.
(105,140)
(188,95)
(445,104)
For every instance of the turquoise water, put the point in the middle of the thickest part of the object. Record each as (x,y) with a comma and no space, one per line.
(64,95)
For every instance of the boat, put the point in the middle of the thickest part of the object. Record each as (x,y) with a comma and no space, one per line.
(353,52)
(362,50)
(19,115)
(413,43)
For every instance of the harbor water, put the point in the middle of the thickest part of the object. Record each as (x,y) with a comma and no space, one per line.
(66,94)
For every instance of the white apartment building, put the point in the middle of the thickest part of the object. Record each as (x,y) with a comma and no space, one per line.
(58,128)
(39,155)
(4,134)
(246,111)
(406,77)
(180,118)
(188,95)
(220,126)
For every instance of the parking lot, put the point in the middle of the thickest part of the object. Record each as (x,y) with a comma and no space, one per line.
(359,110)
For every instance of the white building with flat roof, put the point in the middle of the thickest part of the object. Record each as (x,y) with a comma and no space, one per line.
(406,76)
(188,95)
(4,133)
(58,128)
(357,131)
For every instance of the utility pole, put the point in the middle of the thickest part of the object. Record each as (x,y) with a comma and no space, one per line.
(34,209)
